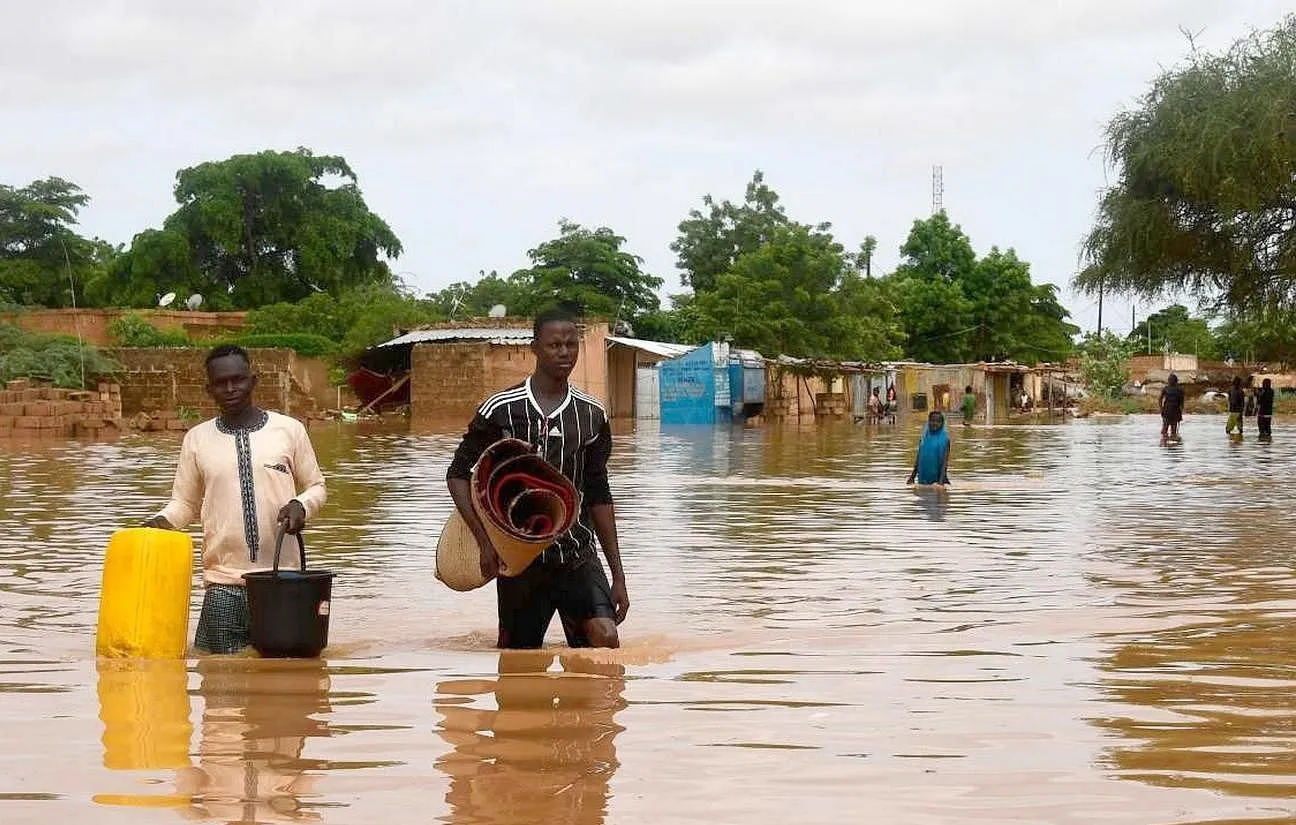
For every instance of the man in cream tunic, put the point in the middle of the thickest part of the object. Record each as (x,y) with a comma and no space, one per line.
(239,474)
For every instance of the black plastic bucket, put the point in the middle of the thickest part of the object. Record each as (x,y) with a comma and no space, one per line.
(289,608)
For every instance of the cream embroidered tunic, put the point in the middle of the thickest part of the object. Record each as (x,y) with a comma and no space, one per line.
(236,481)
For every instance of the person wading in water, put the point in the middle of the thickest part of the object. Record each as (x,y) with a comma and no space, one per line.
(1264,409)
(931,464)
(240,473)
(570,430)
(1171,403)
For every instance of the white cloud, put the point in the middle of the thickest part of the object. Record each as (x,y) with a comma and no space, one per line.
(475,126)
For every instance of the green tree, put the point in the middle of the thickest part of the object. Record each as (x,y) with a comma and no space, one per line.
(1267,336)
(1176,327)
(59,359)
(1105,364)
(956,307)
(466,299)
(1016,319)
(711,242)
(785,298)
(355,320)
(261,229)
(870,306)
(1205,201)
(159,261)
(588,271)
(41,258)
(936,314)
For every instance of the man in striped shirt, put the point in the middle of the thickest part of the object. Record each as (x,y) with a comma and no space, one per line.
(569,429)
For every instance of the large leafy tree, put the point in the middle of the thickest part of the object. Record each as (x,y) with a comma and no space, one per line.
(711,241)
(356,319)
(1177,328)
(791,295)
(1205,201)
(260,229)
(956,307)
(587,271)
(1266,335)
(936,314)
(42,259)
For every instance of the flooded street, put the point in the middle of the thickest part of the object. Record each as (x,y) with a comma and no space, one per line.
(1087,628)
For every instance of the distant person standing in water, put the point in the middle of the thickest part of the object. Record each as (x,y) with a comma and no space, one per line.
(1264,409)
(969,404)
(1171,403)
(1236,406)
(931,464)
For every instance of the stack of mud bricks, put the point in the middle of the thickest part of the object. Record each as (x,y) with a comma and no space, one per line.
(30,410)
(830,405)
(778,407)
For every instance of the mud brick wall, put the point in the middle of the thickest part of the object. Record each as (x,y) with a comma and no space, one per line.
(29,410)
(448,381)
(171,384)
(93,324)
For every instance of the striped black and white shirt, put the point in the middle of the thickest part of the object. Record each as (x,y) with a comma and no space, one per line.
(575,438)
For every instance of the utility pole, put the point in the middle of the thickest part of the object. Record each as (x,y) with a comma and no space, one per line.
(1100,297)
(938,190)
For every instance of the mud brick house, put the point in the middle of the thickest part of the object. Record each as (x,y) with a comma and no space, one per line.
(446,370)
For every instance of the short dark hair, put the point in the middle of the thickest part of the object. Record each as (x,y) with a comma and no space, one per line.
(1267,383)
(968,388)
(225,351)
(555,315)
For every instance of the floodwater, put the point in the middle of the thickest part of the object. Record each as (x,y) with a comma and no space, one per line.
(1088,628)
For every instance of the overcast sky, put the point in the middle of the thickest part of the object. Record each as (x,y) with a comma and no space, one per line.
(474,126)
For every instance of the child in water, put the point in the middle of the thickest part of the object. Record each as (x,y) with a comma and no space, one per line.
(931,464)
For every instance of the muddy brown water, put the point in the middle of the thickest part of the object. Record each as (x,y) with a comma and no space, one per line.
(1088,628)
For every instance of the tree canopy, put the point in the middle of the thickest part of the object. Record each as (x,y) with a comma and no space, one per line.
(1205,201)
(258,229)
(42,259)
(956,307)
(1175,327)
(711,242)
(586,271)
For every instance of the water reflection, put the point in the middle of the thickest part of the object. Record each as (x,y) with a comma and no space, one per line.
(1089,627)
(545,753)
(144,707)
(932,503)
(257,718)
(1212,707)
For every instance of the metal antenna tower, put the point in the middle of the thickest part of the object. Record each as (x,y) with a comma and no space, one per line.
(938,190)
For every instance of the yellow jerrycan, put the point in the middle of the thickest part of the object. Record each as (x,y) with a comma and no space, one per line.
(144,597)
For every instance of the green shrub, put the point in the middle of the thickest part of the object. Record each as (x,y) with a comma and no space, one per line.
(53,358)
(303,343)
(133,330)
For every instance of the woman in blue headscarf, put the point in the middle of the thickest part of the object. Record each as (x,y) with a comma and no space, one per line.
(931,464)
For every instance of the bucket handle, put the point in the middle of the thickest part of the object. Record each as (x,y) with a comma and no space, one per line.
(301,546)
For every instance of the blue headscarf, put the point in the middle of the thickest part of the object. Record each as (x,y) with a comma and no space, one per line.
(931,453)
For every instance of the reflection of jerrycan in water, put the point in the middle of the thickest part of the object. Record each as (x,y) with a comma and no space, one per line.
(144,597)
(144,706)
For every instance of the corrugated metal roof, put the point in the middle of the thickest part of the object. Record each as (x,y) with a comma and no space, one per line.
(491,335)
(661,348)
